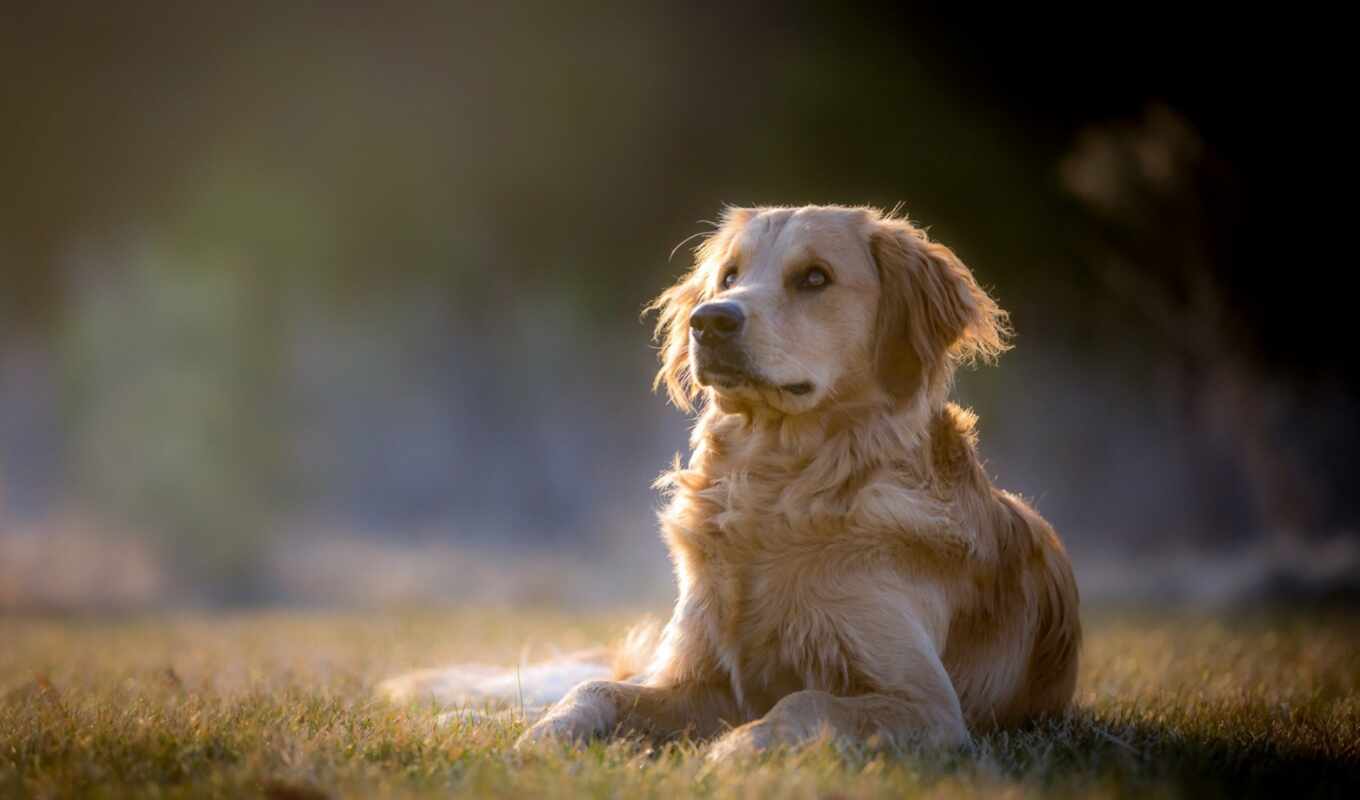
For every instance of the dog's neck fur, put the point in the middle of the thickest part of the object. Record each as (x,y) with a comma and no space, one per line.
(810,471)
(874,424)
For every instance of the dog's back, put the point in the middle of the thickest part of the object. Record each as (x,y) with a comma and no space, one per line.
(1013,643)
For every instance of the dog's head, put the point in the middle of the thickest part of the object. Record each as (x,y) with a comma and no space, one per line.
(794,309)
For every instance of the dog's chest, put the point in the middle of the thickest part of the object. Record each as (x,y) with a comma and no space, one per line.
(768,542)
(761,582)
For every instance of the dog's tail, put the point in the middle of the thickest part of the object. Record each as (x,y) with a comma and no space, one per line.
(530,686)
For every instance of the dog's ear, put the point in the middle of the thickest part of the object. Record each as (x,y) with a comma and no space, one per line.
(932,315)
(674,306)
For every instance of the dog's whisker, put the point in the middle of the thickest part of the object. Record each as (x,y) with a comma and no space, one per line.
(685,241)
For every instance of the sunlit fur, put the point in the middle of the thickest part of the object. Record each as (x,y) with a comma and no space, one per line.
(844,566)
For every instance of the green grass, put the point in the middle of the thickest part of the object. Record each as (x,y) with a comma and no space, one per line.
(280,705)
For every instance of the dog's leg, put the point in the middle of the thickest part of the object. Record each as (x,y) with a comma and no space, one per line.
(915,702)
(601,708)
(878,719)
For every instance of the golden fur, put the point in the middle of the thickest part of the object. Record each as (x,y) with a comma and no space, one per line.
(844,566)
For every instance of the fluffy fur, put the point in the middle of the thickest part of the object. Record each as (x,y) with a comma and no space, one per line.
(844,566)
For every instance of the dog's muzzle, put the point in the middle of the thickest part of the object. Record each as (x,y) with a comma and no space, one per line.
(718,357)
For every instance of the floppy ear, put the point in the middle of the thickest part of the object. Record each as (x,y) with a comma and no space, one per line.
(932,315)
(674,307)
(672,331)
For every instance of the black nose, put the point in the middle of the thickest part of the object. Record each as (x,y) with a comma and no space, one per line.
(715,322)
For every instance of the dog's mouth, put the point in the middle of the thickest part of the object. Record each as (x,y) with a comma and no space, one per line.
(727,376)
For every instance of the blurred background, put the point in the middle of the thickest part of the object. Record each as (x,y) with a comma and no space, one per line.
(340,306)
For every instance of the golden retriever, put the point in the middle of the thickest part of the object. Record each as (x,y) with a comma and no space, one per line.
(844,565)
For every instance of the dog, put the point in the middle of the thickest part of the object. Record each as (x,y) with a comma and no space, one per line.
(844,566)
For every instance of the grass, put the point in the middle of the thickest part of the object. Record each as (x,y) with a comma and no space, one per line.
(280,705)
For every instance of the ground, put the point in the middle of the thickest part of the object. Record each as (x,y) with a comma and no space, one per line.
(281,705)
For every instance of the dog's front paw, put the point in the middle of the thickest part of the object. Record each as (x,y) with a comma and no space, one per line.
(582,715)
(550,730)
(748,740)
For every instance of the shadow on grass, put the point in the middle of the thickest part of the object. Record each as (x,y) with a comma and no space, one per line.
(1226,761)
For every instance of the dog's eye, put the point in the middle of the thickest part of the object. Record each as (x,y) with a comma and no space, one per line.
(814,278)
(729,279)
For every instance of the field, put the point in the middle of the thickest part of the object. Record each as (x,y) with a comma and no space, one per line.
(280,705)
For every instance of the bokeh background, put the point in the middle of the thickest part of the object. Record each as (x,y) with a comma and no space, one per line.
(325,305)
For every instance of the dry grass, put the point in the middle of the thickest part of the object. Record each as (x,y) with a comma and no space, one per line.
(280,705)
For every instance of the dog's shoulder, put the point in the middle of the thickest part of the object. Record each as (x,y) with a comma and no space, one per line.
(953,445)
(925,501)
